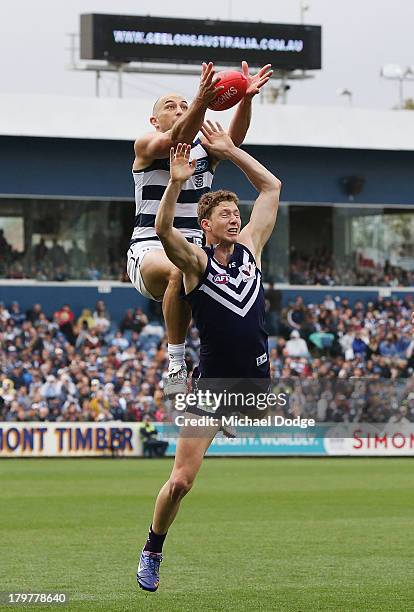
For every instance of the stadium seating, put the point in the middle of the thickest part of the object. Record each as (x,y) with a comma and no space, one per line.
(93,369)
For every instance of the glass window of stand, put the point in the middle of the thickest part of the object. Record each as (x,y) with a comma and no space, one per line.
(351,244)
(373,245)
(64,239)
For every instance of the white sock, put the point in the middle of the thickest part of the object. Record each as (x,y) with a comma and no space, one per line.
(176,356)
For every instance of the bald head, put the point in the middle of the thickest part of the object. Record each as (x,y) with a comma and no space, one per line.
(167,110)
(163,100)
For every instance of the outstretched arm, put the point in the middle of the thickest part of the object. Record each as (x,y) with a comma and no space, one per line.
(188,126)
(242,117)
(188,257)
(263,217)
(156,145)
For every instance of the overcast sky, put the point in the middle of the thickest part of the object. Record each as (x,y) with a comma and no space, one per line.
(359,36)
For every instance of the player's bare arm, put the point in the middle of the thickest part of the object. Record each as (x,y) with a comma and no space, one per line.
(176,121)
(189,258)
(263,217)
(240,122)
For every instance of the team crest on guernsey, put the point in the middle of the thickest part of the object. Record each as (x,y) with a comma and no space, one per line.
(248,271)
(202,166)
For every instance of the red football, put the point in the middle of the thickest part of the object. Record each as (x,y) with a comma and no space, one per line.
(235,85)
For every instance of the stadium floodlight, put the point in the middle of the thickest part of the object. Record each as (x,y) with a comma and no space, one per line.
(346,93)
(395,72)
(304,6)
(392,71)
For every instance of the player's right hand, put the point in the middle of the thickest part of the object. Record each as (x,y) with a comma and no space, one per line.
(216,140)
(180,167)
(207,89)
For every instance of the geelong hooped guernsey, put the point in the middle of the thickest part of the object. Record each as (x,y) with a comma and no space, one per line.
(150,184)
(228,307)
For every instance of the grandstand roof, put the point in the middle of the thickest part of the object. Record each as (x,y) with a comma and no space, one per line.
(124,119)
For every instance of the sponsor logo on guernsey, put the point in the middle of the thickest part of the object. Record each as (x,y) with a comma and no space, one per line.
(221,279)
(199,180)
(261,359)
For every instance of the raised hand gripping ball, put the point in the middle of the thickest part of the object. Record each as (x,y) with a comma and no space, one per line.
(235,85)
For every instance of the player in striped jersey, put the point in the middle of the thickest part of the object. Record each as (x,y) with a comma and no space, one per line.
(150,271)
(222,281)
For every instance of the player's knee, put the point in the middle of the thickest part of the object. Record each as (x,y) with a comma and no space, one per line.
(180,485)
(175,277)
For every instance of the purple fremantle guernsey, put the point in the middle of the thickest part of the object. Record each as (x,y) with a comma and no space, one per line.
(228,308)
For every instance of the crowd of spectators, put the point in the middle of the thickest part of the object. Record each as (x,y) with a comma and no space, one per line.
(55,263)
(335,339)
(89,368)
(361,400)
(322,269)
(338,362)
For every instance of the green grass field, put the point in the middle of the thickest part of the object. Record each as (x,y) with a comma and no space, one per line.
(254,534)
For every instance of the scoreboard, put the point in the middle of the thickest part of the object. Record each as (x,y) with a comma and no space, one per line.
(127,38)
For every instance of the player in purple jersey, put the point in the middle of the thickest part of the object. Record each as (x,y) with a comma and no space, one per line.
(224,278)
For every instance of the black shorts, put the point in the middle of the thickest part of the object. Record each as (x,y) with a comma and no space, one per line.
(226,396)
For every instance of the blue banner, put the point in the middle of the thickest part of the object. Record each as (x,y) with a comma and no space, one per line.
(290,444)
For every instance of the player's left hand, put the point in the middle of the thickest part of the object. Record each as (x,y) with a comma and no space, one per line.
(180,167)
(256,81)
(216,140)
